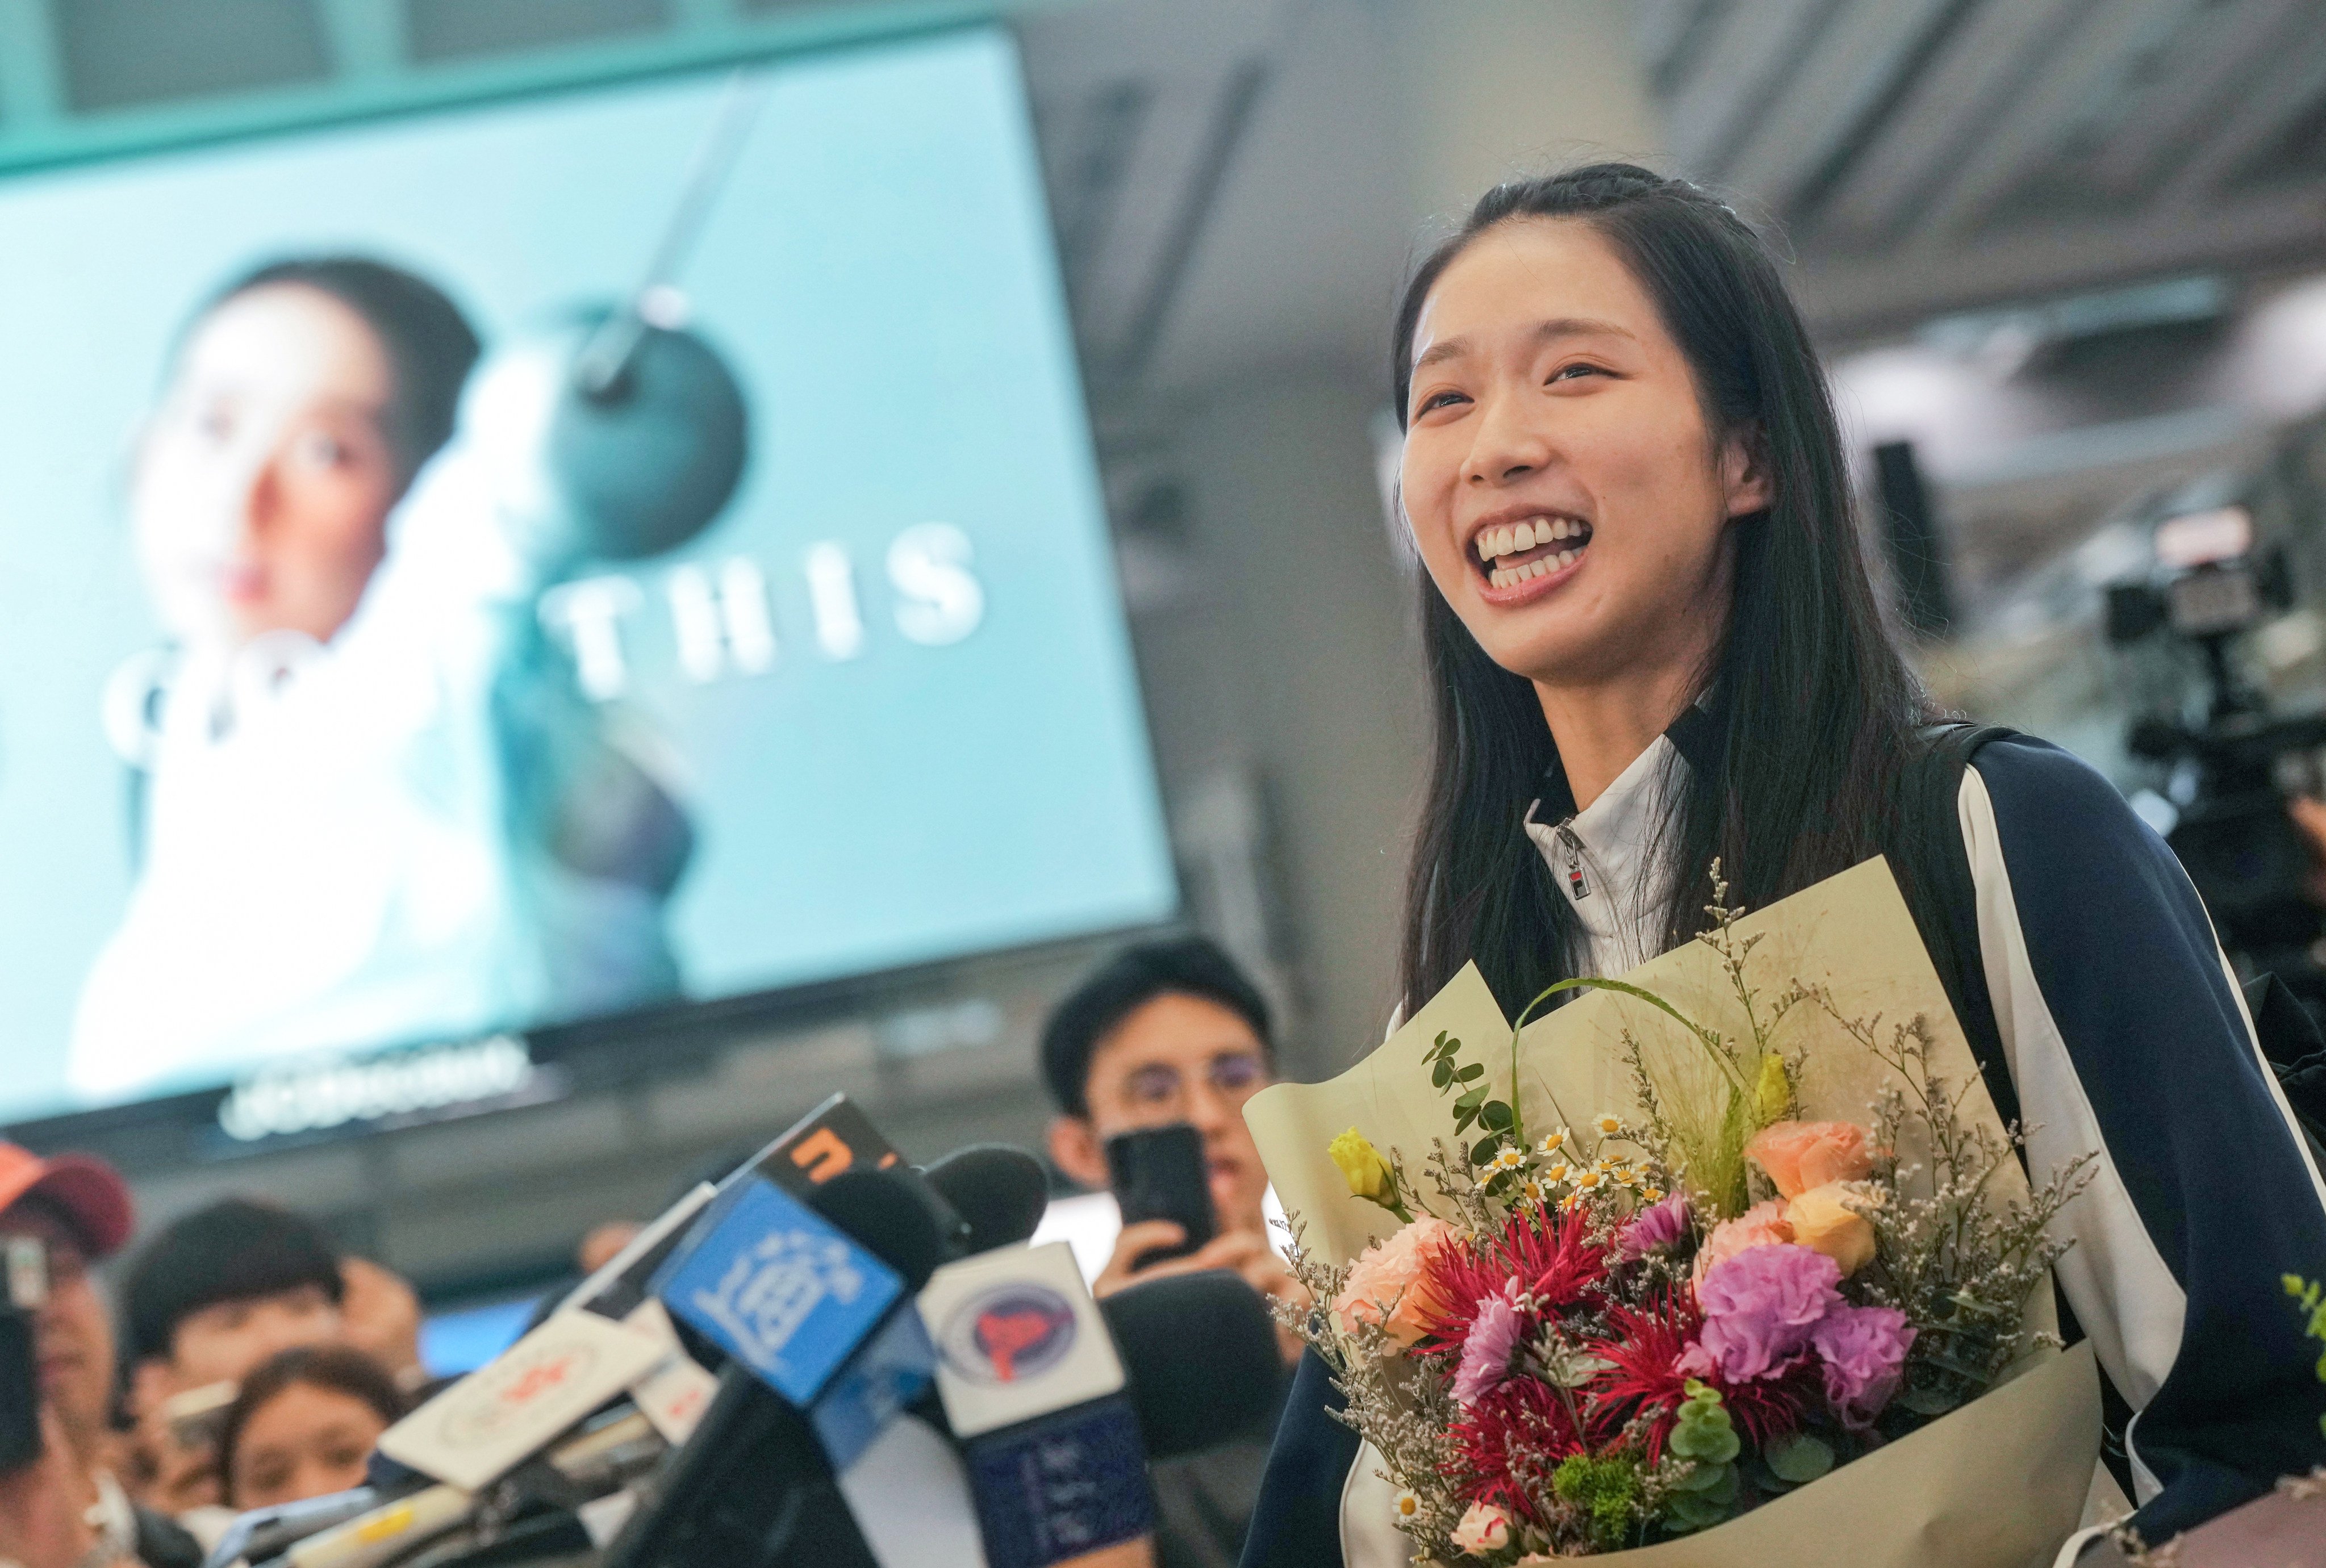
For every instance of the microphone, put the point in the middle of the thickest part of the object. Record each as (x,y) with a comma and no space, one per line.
(811,1303)
(614,1333)
(1033,1388)
(1000,1192)
(1201,1357)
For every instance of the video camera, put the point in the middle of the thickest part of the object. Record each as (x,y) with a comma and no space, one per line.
(2212,581)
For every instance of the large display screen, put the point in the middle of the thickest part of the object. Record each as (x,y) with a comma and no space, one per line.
(309,743)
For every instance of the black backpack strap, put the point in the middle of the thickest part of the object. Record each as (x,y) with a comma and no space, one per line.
(1935,880)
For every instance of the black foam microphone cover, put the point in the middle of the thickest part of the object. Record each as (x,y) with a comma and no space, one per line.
(1001,1190)
(891,1215)
(1200,1353)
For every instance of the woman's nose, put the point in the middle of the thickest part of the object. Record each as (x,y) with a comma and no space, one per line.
(1508,444)
(260,497)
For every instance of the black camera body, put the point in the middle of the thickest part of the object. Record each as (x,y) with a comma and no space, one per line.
(23,1290)
(2249,863)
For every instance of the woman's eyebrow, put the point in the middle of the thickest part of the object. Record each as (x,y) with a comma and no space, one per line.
(1544,332)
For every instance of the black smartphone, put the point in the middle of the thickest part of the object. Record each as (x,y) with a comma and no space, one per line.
(23,1288)
(1159,1174)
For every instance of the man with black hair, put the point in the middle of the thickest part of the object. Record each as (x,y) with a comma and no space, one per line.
(214,1294)
(1173,1032)
(1167,1032)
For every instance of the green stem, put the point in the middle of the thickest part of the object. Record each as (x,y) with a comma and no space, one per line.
(1703,1036)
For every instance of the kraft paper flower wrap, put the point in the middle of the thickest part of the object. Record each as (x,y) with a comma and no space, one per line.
(1998,1482)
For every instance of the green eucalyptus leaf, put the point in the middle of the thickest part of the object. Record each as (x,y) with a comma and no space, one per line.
(1927,1401)
(1471,1073)
(1471,1099)
(1495,1115)
(1800,1459)
(1692,1441)
(1440,1074)
(1701,1479)
(1485,1150)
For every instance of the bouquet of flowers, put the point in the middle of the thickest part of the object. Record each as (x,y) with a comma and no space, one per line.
(1594,1335)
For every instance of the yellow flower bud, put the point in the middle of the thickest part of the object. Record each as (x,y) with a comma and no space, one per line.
(1772,1096)
(1368,1173)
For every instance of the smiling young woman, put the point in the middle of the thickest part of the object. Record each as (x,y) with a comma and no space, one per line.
(1652,640)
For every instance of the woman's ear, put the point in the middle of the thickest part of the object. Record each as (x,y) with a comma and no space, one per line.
(1074,1149)
(1745,471)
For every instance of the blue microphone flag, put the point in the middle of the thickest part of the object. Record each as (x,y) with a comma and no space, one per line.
(781,1289)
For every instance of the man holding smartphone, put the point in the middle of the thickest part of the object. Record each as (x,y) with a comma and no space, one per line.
(1155,1054)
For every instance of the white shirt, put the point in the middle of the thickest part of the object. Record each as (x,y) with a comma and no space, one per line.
(1602,859)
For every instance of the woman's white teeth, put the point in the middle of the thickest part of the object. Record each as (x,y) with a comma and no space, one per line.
(1511,576)
(1527,535)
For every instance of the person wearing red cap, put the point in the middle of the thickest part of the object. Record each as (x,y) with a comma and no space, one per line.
(66,1510)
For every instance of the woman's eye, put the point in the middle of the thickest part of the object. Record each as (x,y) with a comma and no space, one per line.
(1575,372)
(1438,400)
(322,451)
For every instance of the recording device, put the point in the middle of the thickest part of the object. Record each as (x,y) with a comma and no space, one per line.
(2213,581)
(1160,1173)
(1200,1358)
(23,1291)
(1033,1390)
(197,1417)
(812,1303)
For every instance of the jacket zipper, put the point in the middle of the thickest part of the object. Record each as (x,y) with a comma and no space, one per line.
(1577,883)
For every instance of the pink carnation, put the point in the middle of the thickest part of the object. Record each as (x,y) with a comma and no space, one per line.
(1383,1283)
(1761,1307)
(1653,1229)
(1763,1225)
(1493,1338)
(1864,1351)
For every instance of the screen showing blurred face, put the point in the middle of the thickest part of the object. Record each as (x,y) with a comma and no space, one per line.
(223,1341)
(307,1442)
(265,477)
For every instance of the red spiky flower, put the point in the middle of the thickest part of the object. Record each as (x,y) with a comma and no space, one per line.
(1508,1442)
(1550,1256)
(1645,1379)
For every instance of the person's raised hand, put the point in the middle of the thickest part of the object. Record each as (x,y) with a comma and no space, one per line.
(1245,1253)
(1132,1244)
(379,1316)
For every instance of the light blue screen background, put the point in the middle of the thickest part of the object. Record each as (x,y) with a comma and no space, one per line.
(879,272)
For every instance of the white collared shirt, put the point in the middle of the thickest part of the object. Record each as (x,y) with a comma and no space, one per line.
(1600,858)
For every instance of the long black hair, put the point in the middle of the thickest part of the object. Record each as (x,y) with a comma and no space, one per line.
(1813,709)
(430,345)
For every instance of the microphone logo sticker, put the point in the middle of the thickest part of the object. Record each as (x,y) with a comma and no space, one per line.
(779,1288)
(1008,1334)
(772,1288)
(509,1389)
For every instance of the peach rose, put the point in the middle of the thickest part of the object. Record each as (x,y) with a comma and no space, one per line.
(1763,1225)
(1384,1280)
(1484,1528)
(1801,1155)
(1823,1222)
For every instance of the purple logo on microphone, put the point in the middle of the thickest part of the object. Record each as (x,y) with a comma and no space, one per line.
(1010,1333)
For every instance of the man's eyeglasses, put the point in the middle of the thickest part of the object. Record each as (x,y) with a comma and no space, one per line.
(1234,1075)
